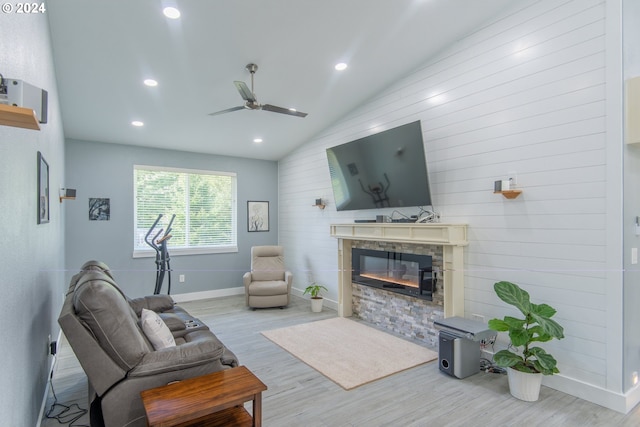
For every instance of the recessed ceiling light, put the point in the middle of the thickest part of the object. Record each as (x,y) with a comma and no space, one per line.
(341,66)
(137,123)
(171,12)
(150,82)
(257,140)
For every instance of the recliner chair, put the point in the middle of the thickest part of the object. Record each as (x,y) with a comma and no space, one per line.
(104,329)
(268,284)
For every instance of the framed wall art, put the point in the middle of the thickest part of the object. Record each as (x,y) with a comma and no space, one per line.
(257,216)
(43,190)
(99,209)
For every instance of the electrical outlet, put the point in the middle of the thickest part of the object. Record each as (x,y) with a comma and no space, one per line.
(182,278)
(51,346)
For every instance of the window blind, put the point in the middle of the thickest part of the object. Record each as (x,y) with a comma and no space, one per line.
(204,203)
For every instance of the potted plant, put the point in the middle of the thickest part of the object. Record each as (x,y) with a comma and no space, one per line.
(525,363)
(316,299)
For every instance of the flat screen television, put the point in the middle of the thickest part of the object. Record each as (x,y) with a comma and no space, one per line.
(384,170)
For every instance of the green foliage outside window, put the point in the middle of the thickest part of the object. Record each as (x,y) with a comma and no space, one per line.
(204,205)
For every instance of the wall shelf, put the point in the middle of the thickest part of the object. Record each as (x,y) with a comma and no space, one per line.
(509,194)
(18,117)
(66,198)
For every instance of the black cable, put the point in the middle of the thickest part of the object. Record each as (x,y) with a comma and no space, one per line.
(68,414)
(488,365)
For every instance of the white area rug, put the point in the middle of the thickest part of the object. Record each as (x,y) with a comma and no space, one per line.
(348,352)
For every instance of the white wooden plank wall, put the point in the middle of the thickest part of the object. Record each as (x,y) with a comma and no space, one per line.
(526,93)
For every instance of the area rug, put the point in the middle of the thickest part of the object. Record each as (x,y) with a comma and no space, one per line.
(348,352)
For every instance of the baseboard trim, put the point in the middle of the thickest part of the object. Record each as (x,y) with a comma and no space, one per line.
(214,293)
(219,293)
(619,402)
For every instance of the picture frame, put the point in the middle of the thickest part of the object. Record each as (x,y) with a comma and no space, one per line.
(43,190)
(257,216)
(99,209)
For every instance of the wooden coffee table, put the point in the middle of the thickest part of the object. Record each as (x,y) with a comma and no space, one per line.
(210,400)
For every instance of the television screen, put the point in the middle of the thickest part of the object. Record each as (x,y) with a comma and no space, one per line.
(384,170)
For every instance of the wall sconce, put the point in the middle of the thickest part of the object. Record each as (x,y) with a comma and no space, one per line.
(319,204)
(67,193)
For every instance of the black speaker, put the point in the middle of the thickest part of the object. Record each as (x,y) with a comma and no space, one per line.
(69,192)
(446,352)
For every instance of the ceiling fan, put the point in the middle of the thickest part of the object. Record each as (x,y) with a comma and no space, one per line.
(251,103)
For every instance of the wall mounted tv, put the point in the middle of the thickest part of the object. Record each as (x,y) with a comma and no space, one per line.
(384,170)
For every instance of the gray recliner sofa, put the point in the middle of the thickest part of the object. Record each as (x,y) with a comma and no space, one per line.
(104,329)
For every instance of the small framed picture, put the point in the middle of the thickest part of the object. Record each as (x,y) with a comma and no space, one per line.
(257,216)
(99,209)
(43,190)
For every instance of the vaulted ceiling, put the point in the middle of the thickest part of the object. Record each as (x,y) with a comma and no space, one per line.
(104,49)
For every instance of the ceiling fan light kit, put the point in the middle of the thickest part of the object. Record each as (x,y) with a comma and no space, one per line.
(251,102)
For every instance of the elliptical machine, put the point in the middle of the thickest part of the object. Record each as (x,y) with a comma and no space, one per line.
(159,244)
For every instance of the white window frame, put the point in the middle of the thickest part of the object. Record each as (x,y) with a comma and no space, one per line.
(144,253)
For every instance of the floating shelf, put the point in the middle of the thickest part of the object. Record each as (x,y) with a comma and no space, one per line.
(18,117)
(509,194)
(66,198)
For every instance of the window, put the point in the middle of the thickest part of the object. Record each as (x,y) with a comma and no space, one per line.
(204,204)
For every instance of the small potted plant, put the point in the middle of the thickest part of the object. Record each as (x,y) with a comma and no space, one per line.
(525,363)
(316,299)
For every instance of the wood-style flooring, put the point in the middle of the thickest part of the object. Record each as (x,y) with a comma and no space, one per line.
(298,395)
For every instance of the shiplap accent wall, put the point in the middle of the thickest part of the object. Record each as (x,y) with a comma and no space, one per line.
(631,38)
(526,94)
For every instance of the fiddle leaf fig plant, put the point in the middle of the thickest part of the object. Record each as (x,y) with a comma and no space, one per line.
(536,326)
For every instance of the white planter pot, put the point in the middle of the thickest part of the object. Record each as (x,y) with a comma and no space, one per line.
(316,305)
(523,385)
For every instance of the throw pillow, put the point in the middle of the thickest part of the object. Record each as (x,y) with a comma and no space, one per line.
(156,330)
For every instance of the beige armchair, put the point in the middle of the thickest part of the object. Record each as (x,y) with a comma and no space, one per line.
(268,284)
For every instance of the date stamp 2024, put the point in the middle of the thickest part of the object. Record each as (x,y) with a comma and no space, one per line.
(23,8)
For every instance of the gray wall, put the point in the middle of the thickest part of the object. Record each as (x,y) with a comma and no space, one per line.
(105,170)
(32,255)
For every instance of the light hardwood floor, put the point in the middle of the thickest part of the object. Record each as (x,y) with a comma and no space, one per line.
(300,396)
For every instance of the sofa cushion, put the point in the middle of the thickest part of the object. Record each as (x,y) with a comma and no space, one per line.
(108,316)
(268,287)
(267,268)
(156,330)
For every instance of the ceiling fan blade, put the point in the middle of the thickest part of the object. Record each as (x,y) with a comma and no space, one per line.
(281,110)
(228,110)
(245,93)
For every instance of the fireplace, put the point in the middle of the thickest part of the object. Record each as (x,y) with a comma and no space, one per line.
(403,273)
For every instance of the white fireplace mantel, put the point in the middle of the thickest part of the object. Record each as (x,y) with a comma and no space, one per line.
(452,238)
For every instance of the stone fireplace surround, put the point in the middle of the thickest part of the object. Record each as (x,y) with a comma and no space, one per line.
(400,314)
